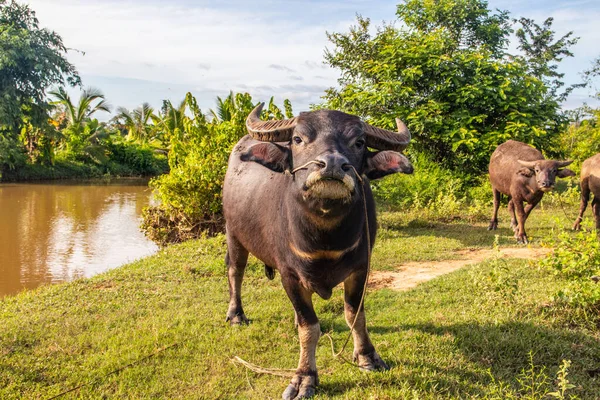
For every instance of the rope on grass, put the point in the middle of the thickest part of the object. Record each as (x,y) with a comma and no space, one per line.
(115,371)
(286,373)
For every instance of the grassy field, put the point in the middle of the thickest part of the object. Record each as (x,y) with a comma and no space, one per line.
(485,331)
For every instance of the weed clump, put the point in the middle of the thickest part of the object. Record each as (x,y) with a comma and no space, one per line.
(576,259)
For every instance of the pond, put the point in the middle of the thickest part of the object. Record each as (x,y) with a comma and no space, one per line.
(60,231)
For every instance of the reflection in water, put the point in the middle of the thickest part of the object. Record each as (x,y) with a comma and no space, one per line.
(62,231)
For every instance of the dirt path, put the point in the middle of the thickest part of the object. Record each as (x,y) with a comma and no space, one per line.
(409,275)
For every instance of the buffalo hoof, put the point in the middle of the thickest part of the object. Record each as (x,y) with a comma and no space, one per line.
(370,362)
(301,387)
(237,319)
(577,226)
(493,226)
(522,239)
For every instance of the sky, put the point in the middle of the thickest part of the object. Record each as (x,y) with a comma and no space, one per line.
(138,51)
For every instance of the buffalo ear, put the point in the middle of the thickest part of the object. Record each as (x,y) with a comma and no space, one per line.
(563,173)
(387,162)
(525,171)
(270,155)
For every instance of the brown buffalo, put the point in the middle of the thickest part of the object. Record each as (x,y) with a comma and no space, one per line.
(521,172)
(292,198)
(590,183)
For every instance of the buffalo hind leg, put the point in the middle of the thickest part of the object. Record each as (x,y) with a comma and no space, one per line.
(494,221)
(585,197)
(306,378)
(364,352)
(596,211)
(235,259)
(513,216)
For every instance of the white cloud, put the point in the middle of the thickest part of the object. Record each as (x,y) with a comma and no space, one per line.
(146,51)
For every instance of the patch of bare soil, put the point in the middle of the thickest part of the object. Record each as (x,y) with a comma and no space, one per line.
(409,275)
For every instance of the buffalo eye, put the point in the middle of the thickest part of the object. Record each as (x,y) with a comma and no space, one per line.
(297,139)
(360,143)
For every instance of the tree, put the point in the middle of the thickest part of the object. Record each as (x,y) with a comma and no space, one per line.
(137,122)
(31,60)
(447,74)
(90,102)
(77,116)
(543,53)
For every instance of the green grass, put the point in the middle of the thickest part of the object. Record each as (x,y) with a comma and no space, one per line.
(464,335)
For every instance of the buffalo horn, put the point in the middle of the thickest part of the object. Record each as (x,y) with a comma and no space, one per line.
(382,139)
(269,131)
(527,164)
(561,164)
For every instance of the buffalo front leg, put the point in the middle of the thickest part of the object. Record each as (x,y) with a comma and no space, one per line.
(494,221)
(585,197)
(235,259)
(364,352)
(306,378)
(520,234)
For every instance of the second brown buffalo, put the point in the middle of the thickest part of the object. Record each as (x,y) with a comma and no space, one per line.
(590,183)
(521,172)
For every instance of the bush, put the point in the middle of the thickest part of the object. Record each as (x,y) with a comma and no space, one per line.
(428,183)
(434,193)
(576,259)
(134,159)
(190,195)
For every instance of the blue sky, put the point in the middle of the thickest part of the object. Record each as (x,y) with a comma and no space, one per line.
(150,50)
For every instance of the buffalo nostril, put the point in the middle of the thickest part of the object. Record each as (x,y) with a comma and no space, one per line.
(346,167)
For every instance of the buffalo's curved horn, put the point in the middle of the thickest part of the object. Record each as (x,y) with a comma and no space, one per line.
(561,164)
(382,139)
(269,131)
(528,164)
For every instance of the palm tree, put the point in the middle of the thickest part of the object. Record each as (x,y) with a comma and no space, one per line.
(226,108)
(91,101)
(137,122)
(77,117)
(169,122)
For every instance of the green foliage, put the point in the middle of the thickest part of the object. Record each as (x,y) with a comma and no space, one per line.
(445,72)
(137,122)
(577,259)
(581,139)
(32,59)
(434,192)
(534,384)
(190,195)
(135,159)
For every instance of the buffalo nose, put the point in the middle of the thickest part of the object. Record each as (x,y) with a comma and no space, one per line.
(333,163)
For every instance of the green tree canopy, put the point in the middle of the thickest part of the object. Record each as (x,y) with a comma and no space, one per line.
(32,59)
(445,71)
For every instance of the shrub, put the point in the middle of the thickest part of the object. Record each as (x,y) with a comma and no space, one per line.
(576,259)
(434,193)
(133,159)
(190,195)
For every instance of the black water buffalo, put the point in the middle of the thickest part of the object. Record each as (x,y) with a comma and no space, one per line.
(521,172)
(292,198)
(590,183)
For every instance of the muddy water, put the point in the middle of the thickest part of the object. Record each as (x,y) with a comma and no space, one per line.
(58,232)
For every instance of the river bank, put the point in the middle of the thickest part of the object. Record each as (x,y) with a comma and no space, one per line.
(80,170)
(452,337)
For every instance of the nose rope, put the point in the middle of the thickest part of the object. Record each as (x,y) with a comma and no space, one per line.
(322,164)
(305,166)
